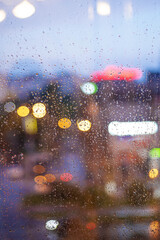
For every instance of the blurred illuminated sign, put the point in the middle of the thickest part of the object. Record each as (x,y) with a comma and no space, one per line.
(154,153)
(132,128)
(117,73)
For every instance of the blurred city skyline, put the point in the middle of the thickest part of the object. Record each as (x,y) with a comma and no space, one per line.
(59,36)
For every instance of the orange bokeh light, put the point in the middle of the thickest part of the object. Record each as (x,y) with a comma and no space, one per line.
(40,179)
(50,178)
(38,169)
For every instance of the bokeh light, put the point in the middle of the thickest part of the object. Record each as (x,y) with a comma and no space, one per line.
(89,88)
(154,153)
(103,8)
(2,15)
(64,123)
(40,179)
(9,107)
(66,177)
(154,229)
(39,110)
(132,128)
(23,111)
(115,73)
(50,178)
(30,125)
(23,10)
(52,225)
(84,125)
(90,225)
(39,169)
(111,188)
(153,173)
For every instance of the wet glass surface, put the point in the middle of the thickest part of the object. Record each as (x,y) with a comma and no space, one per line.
(79,122)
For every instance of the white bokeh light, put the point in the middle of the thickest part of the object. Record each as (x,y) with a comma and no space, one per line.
(2,15)
(111,188)
(23,10)
(132,128)
(52,225)
(89,88)
(103,8)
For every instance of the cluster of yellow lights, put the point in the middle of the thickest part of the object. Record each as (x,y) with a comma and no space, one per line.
(84,125)
(23,111)
(39,110)
(64,123)
(153,173)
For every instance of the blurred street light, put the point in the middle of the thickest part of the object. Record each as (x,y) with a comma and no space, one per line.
(39,110)
(23,10)
(103,8)
(23,111)
(2,15)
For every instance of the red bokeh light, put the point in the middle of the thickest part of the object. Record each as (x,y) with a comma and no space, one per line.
(66,177)
(117,73)
(90,225)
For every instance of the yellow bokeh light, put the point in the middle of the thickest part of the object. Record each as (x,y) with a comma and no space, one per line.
(30,125)
(39,110)
(153,173)
(23,111)
(154,229)
(50,178)
(40,179)
(64,123)
(84,125)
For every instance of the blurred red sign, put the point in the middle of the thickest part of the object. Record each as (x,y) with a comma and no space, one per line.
(113,72)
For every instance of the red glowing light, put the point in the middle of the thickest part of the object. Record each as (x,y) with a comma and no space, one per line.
(117,73)
(66,177)
(90,225)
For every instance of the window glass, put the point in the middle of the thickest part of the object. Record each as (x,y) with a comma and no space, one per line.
(79,122)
